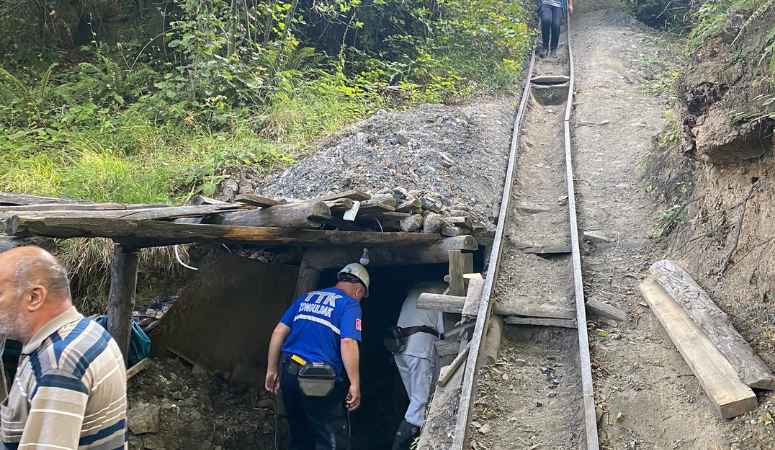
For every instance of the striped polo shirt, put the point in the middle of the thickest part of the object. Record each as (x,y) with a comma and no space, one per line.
(70,390)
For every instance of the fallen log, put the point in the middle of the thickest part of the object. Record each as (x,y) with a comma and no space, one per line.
(714,322)
(728,394)
(437,251)
(148,233)
(169,213)
(288,215)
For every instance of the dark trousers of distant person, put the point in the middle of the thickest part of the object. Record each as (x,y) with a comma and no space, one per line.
(551,17)
(316,423)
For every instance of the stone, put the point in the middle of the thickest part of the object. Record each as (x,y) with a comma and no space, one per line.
(484,428)
(153,442)
(431,203)
(412,223)
(433,223)
(199,371)
(144,418)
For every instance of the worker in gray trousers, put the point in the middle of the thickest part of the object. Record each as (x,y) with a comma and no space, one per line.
(417,362)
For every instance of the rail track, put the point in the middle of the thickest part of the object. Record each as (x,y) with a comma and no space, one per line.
(535,274)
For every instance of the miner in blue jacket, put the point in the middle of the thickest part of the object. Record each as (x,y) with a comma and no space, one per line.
(321,328)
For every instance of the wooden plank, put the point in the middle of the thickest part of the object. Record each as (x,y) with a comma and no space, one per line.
(714,322)
(352,213)
(492,341)
(454,231)
(80,207)
(8,198)
(298,215)
(456,285)
(353,195)
(548,249)
(728,394)
(455,304)
(410,206)
(474,294)
(467,276)
(449,371)
(257,200)
(146,233)
(434,253)
(139,366)
(540,321)
(121,299)
(173,212)
(550,79)
(202,200)
(601,309)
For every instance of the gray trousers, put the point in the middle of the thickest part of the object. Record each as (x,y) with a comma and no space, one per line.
(417,375)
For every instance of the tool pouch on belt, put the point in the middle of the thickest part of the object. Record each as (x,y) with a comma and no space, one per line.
(395,337)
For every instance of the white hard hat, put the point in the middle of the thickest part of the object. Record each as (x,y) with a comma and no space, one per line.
(360,272)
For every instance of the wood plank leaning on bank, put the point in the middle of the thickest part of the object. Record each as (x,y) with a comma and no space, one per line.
(714,322)
(730,396)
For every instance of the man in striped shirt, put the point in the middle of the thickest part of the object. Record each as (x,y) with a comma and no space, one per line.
(70,387)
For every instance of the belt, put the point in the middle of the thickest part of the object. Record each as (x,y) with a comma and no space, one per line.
(292,367)
(408,331)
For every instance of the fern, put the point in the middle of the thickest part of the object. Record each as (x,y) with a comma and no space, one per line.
(756,15)
(13,84)
(44,81)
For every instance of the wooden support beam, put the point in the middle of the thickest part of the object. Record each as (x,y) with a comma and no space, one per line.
(730,396)
(545,250)
(434,252)
(449,371)
(8,198)
(173,212)
(146,233)
(714,322)
(467,277)
(121,299)
(256,200)
(81,207)
(456,285)
(290,215)
(541,322)
(307,280)
(473,296)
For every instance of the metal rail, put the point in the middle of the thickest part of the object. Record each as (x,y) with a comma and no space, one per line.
(470,378)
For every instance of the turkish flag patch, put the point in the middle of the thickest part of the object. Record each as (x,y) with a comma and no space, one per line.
(358,324)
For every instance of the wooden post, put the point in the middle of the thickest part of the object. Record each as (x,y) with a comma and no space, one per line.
(121,300)
(307,279)
(456,288)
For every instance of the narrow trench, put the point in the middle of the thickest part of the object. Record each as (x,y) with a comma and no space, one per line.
(531,396)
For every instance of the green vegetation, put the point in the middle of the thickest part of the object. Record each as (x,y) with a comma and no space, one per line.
(132,101)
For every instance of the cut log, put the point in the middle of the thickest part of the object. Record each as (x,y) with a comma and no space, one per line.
(730,396)
(256,200)
(7,198)
(290,215)
(435,253)
(714,322)
(601,309)
(446,348)
(492,341)
(353,195)
(541,322)
(473,296)
(121,299)
(147,233)
(169,213)
(340,205)
(449,371)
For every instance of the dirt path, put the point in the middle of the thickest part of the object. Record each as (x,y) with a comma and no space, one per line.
(646,392)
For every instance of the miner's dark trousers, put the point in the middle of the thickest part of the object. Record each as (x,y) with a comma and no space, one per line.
(551,17)
(316,423)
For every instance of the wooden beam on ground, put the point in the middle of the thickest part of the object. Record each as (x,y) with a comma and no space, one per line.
(714,322)
(352,195)
(198,200)
(540,322)
(256,200)
(8,198)
(728,394)
(449,371)
(307,280)
(546,250)
(434,252)
(289,215)
(492,341)
(455,304)
(474,294)
(147,233)
(173,212)
(601,309)
(121,299)
(137,368)
(81,207)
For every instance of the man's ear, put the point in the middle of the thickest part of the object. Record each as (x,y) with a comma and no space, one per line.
(36,296)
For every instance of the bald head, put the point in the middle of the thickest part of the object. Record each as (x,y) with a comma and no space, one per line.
(33,266)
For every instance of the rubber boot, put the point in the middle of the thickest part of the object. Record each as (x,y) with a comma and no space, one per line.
(553,54)
(405,435)
(542,53)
